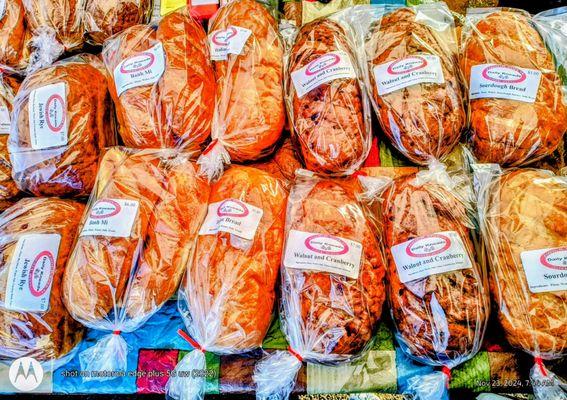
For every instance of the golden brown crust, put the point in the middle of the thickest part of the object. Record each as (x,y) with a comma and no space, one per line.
(506,131)
(53,334)
(283,163)
(250,102)
(527,211)
(8,189)
(12,33)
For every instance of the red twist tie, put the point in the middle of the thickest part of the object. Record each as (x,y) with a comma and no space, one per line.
(539,362)
(359,173)
(447,372)
(210,146)
(295,354)
(190,340)
(116,332)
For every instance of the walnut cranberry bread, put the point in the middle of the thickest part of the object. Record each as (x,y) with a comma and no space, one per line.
(415,81)
(37,237)
(517,111)
(162,83)
(12,33)
(61,122)
(329,114)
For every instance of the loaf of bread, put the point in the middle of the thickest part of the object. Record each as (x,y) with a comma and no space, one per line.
(527,211)
(422,118)
(104,18)
(37,234)
(330,312)
(12,33)
(62,120)
(231,282)
(250,106)
(283,163)
(440,317)
(510,131)
(9,86)
(330,123)
(174,108)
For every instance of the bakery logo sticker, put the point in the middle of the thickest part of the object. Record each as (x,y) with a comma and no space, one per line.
(324,69)
(504,82)
(4,120)
(111,218)
(408,71)
(545,269)
(142,69)
(323,253)
(31,271)
(430,255)
(48,116)
(228,41)
(25,374)
(232,216)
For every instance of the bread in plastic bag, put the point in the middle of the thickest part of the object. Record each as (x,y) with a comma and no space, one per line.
(524,222)
(137,235)
(517,111)
(283,163)
(9,85)
(438,293)
(227,296)
(162,83)
(36,240)
(60,123)
(12,33)
(328,108)
(247,55)
(413,77)
(332,282)
(104,18)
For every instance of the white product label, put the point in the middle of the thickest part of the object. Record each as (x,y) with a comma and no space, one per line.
(504,82)
(31,272)
(228,41)
(327,68)
(234,217)
(111,217)
(546,269)
(430,255)
(139,70)
(48,116)
(325,253)
(408,71)
(4,120)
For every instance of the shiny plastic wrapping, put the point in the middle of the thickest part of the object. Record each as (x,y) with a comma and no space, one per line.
(137,235)
(524,222)
(162,83)
(247,56)
(438,291)
(329,111)
(283,163)
(12,33)
(332,281)
(227,296)
(517,111)
(9,85)
(104,18)
(60,122)
(413,77)
(36,237)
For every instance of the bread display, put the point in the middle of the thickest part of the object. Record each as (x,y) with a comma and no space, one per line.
(283,163)
(8,87)
(12,33)
(162,83)
(104,18)
(438,296)
(62,120)
(37,236)
(415,82)
(526,238)
(517,111)
(328,109)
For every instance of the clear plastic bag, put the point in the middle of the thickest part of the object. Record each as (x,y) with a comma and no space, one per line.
(517,112)
(412,75)
(228,293)
(332,279)
(61,121)
(523,221)
(163,83)
(104,18)
(247,56)
(36,238)
(329,111)
(9,85)
(438,291)
(283,163)
(136,237)
(12,33)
